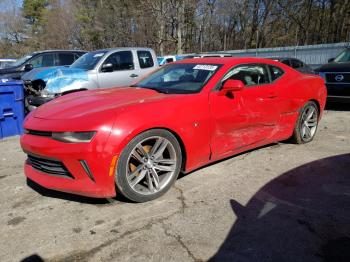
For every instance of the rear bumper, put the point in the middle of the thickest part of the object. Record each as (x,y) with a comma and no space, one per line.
(96,184)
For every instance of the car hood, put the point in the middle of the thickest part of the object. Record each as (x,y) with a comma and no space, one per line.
(335,67)
(93,103)
(8,70)
(39,73)
(61,79)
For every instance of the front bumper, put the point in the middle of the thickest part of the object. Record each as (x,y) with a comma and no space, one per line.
(338,92)
(338,99)
(32,102)
(96,184)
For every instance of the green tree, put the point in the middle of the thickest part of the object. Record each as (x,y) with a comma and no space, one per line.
(34,10)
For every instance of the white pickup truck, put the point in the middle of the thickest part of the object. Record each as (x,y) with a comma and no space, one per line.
(98,69)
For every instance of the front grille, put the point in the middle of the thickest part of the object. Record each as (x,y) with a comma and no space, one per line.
(338,77)
(48,166)
(38,133)
(337,90)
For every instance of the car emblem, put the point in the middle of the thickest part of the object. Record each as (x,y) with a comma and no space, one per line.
(339,78)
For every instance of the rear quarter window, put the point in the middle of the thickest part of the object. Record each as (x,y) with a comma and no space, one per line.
(145,59)
(275,72)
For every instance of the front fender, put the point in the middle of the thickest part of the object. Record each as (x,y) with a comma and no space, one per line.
(189,122)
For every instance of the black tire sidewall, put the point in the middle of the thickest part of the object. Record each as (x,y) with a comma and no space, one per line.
(121,177)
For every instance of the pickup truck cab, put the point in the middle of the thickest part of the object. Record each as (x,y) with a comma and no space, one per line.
(98,69)
(336,74)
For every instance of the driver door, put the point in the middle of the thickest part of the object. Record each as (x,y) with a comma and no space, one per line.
(122,72)
(245,117)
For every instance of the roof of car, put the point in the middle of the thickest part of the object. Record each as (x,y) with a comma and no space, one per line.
(226,60)
(122,49)
(58,50)
(211,54)
(282,58)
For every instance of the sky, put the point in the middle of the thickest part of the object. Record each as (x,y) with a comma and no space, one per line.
(5,4)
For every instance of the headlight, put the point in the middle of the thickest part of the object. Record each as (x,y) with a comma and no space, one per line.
(73,137)
(45,93)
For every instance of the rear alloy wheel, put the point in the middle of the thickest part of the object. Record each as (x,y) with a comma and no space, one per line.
(306,125)
(149,165)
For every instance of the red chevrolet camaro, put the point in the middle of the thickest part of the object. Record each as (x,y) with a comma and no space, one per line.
(135,140)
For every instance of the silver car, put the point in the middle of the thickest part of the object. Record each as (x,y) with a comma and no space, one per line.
(98,69)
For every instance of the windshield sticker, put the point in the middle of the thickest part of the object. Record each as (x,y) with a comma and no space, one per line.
(206,67)
(99,55)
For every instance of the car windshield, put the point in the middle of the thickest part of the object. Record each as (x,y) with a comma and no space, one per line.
(179,78)
(89,60)
(343,56)
(22,60)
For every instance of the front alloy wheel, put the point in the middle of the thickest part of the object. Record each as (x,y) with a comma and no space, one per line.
(149,165)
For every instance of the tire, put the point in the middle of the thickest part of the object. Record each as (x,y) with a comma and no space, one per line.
(306,125)
(149,165)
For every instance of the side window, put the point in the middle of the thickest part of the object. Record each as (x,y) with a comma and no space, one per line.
(297,63)
(43,60)
(121,60)
(275,72)
(286,62)
(145,59)
(169,60)
(65,59)
(249,74)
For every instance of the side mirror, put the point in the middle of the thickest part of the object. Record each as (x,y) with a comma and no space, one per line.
(330,60)
(28,67)
(231,85)
(107,67)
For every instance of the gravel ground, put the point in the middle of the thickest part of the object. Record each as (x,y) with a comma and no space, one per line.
(282,202)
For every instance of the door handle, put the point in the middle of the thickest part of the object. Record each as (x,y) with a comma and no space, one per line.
(271,96)
(133,75)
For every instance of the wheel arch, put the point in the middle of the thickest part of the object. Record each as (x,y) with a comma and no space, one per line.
(73,91)
(318,106)
(179,140)
(120,144)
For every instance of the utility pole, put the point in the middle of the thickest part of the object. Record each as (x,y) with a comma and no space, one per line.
(257,41)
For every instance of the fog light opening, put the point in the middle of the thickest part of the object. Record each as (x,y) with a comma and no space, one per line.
(87,169)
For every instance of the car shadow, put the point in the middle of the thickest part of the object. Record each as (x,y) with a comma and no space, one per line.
(33,258)
(302,215)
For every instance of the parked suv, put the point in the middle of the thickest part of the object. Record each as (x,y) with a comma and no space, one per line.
(6,62)
(46,58)
(98,69)
(337,77)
